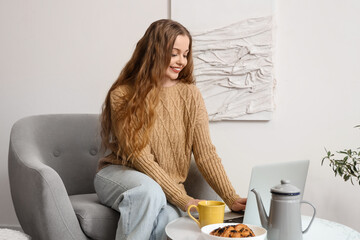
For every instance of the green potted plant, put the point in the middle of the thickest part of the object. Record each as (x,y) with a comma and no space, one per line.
(345,163)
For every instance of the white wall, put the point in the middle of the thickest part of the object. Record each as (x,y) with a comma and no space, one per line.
(62,56)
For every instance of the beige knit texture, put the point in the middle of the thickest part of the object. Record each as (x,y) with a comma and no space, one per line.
(181,128)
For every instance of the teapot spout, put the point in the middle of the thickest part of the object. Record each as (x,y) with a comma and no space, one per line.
(262,213)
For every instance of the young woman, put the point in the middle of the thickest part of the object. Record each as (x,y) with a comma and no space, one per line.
(153,120)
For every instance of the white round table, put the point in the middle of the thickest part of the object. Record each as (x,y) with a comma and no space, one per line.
(185,228)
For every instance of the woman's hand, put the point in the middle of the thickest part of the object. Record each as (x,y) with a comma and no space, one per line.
(192,202)
(239,204)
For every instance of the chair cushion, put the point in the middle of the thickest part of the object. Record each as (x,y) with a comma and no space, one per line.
(96,220)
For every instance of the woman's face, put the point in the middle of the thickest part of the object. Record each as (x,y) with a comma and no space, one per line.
(178,60)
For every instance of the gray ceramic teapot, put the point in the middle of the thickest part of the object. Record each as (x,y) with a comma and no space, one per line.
(284,220)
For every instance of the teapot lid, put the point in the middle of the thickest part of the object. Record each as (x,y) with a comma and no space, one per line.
(285,188)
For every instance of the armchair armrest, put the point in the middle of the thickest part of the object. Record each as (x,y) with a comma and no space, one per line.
(40,199)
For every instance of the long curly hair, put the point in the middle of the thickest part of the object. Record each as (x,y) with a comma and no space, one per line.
(143,73)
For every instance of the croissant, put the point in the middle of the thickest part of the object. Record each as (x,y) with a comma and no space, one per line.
(233,231)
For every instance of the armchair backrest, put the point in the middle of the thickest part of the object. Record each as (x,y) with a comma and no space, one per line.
(68,143)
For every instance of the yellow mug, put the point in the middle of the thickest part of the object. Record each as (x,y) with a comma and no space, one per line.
(210,212)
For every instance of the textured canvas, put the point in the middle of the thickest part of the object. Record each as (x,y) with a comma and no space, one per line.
(233,58)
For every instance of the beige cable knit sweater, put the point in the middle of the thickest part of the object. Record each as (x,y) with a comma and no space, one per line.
(181,128)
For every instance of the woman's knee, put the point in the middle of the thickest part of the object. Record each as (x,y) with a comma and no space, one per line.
(152,193)
(117,183)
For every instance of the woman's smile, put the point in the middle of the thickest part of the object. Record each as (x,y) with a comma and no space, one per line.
(176,69)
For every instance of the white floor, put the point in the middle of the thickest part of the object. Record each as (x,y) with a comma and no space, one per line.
(6,234)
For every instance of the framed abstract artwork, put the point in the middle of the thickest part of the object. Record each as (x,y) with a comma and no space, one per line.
(233,45)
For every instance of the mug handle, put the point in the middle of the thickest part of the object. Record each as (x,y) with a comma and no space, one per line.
(312,219)
(191,216)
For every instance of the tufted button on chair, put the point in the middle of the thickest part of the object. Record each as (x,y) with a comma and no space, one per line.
(52,164)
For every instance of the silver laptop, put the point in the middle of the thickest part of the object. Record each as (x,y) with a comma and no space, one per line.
(263,178)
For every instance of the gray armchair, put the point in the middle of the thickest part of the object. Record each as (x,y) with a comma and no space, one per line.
(52,163)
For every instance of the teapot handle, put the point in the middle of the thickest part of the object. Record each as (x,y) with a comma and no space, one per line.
(312,219)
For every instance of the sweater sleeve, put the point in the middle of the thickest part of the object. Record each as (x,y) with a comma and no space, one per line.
(206,157)
(146,163)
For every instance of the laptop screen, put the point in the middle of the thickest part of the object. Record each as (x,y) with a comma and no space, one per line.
(264,177)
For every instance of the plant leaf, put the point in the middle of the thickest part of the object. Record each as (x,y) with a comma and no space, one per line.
(328,154)
(340,170)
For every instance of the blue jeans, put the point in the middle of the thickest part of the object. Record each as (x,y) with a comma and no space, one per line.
(144,211)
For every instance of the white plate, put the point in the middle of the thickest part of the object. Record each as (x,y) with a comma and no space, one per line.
(260,233)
